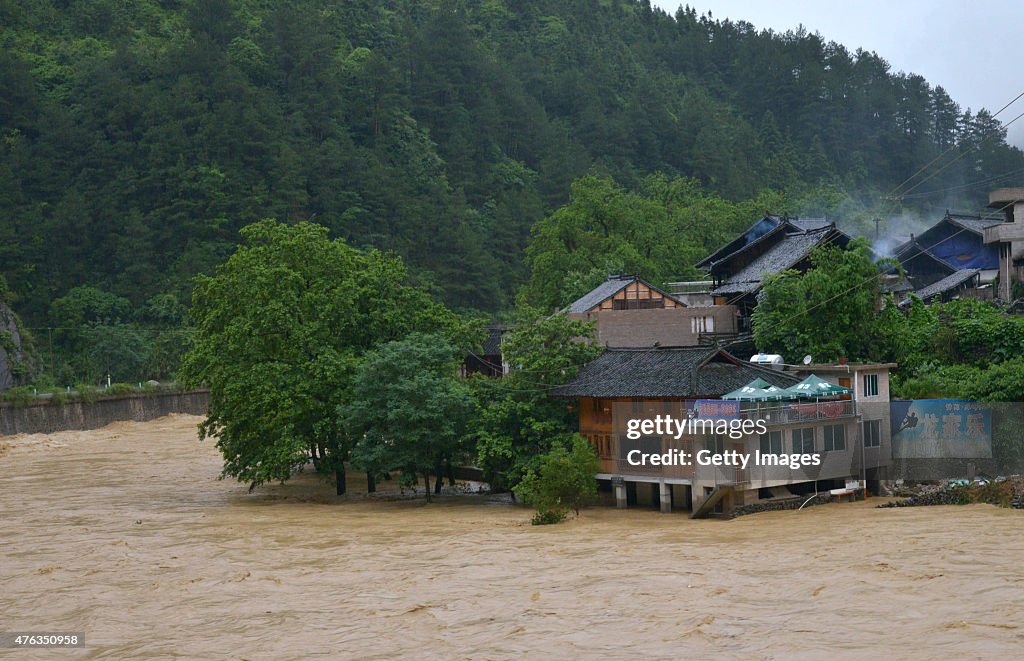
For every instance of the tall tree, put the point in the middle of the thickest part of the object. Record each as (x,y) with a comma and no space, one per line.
(280,329)
(519,421)
(828,312)
(408,410)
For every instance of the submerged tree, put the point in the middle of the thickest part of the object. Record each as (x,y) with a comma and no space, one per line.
(565,480)
(519,419)
(408,409)
(280,330)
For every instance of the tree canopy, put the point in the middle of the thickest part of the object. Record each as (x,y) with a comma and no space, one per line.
(566,479)
(280,329)
(407,409)
(519,421)
(829,311)
(138,138)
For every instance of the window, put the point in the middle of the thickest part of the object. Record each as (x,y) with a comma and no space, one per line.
(771,443)
(715,444)
(645,444)
(638,303)
(872,433)
(835,438)
(803,441)
(704,324)
(870,385)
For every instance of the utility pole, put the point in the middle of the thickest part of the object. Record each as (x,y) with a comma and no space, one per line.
(877,221)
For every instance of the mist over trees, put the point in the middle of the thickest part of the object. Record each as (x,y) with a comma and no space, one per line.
(137,139)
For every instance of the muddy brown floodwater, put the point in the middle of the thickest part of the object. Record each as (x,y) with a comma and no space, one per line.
(125,534)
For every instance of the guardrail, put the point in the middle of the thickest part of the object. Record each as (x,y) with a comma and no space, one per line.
(791,413)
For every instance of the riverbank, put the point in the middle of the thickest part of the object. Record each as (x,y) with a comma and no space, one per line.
(125,533)
(1005,492)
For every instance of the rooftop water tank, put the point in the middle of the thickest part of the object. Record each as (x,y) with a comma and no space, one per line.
(772,360)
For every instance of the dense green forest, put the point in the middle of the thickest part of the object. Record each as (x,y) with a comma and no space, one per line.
(139,137)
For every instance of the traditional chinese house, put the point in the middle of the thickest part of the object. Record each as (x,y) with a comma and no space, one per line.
(489,361)
(801,417)
(771,245)
(631,312)
(948,250)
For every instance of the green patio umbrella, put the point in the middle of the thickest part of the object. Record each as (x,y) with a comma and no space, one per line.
(759,390)
(814,386)
(774,392)
(748,393)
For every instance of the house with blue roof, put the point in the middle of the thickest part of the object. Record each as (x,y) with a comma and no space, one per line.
(950,253)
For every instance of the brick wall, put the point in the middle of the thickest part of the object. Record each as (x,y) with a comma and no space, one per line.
(667,327)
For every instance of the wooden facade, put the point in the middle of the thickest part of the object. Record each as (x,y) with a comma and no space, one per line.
(637,295)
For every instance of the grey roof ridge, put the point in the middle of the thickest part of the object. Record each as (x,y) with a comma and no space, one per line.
(786,223)
(942,285)
(626,281)
(957,221)
(640,351)
(771,232)
(795,260)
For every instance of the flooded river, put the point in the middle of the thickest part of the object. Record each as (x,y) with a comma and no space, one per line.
(125,534)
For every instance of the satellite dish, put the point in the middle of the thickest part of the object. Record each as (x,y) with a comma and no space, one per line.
(807,359)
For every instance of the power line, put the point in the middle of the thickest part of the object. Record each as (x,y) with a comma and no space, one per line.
(881,274)
(977,147)
(980,182)
(940,156)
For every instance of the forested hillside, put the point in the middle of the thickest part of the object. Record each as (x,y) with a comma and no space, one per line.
(138,137)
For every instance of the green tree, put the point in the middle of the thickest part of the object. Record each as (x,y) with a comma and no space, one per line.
(519,421)
(564,480)
(407,408)
(828,311)
(280,329)
(604,229)
(94,335)
(137,138)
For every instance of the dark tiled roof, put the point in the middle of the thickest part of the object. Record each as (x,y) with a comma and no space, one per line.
(944,285)
(667,372)
(809,224)
(785,254)
(895,285)
(913,249)
(755,234)
(608,288)
(760,232)
(975,224)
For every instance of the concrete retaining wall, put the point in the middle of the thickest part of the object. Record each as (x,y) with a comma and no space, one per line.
(46,417)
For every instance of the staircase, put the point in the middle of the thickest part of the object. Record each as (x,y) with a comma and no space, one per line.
(709,503)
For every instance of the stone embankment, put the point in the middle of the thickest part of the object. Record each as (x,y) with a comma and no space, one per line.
(781,504)
(1007,492)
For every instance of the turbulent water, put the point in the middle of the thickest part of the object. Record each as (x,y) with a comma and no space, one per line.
(125,534)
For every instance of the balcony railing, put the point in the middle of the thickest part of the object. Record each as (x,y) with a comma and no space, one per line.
(792,413)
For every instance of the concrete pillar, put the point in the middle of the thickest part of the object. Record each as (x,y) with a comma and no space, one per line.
(666,497)
(620,496)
